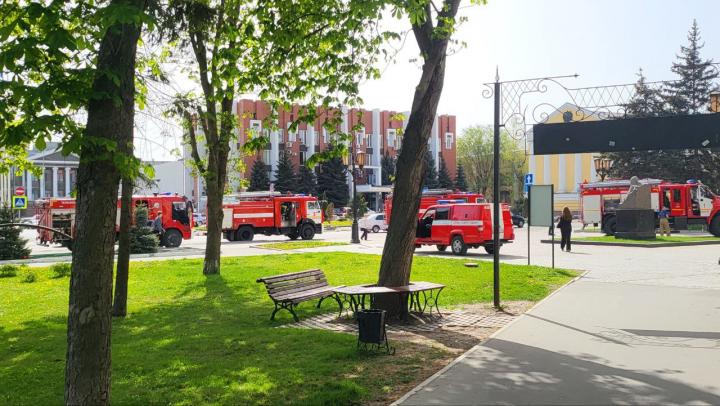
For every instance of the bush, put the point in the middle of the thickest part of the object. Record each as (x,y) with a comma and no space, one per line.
(12,245)
(29,276)
(8,271)
(61,270)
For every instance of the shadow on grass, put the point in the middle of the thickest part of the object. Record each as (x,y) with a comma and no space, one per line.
(213,342)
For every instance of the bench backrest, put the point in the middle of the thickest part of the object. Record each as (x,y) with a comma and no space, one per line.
(285,284)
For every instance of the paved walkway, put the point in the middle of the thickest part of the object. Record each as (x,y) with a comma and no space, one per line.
(638,329)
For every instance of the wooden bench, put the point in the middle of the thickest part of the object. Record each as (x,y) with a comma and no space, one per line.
(290,289)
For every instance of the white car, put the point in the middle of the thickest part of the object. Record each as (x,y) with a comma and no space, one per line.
(374,222)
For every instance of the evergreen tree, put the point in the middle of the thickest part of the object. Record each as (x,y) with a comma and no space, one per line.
(387,163)
(646,102)
(360,204)
(259,179)
(142,239)
(332,182)
(12,245)
(307,182)
(430,178)
(444,179)
(460,181)
(285,180)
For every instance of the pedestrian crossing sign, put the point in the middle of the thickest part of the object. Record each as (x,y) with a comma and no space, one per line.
(20,202)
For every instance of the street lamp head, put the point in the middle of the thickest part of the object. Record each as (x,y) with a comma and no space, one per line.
(345,159)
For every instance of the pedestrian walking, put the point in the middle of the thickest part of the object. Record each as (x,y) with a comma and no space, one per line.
(664,222)
(565,226)
(157,225)
(364,234)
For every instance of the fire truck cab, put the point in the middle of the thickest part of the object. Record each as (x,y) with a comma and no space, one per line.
(433,196)
(687,203)
(461,226)
(271,213)
(59,214)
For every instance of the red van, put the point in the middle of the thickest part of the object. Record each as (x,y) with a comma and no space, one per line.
(462,226)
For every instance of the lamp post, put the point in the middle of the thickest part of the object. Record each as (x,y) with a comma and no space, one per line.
(356,158)
(602,167)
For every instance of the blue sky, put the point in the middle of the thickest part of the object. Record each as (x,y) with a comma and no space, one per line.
(604,41)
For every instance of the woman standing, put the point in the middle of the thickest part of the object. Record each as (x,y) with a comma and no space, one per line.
(565,226)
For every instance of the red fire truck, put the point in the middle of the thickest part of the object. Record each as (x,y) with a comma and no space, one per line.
(687,203)
(433,196)
(271,213)
(462,225)
(59,214)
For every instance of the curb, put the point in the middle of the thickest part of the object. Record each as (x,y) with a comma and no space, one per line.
(464,355)
(639,245)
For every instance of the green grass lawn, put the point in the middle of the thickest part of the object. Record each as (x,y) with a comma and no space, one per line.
(190,339)
(339,223)
(657,240)
(296,245)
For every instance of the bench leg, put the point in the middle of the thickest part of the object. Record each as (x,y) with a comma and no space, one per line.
(292,310)
(321,300)
(272,316)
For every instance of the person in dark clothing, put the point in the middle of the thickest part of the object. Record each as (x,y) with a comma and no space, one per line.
(565,226)
(364,234)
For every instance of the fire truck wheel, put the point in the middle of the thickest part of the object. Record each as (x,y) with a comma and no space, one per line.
(245,233)
(458,246)
(171,239)
(715,226)
(489,249)
(229,235)
(441,248)
(293,236)
(609,225)
(307,232)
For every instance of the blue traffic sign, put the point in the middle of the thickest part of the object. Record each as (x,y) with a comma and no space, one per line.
(528,181)
(20,202)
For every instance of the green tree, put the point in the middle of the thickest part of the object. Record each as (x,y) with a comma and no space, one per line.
(12,245)
(259,179)
(360,204)
(444,179)
(387,164)
(240,46)
(307,182)
(432,26)
(332,182)
(285,180)
(460,181)
(430,176)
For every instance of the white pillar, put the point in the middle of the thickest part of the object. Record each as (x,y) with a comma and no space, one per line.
(28,188)
(578,172)
(42,183)
(547,172)
(274,153)
(562,176)
(68,188)
(54,181)
(433,141)
(310,140)
(593,174)
(344,122)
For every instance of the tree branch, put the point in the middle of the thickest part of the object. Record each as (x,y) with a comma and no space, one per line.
(193,142)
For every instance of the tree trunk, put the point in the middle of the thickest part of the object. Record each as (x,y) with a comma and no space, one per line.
(215,186)
(123,259)
(109,120)
(399,248)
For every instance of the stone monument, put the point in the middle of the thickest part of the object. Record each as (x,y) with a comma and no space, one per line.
(635,216)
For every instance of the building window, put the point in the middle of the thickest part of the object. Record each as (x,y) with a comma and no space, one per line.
(35,187)
(325,135)
(303,136)
(448,140)
(398,142)
(61,182)
(48,182)
(266,156)
(391,138)
(291,134)
(302,157)
(281,136)
(73,178)
(255,128)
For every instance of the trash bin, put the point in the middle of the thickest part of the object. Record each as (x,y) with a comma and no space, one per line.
(371,330)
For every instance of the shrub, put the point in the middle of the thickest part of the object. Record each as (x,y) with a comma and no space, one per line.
(8,271)
(60,270)
(29,276)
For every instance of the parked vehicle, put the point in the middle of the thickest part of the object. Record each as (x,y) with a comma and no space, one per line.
(687,203)
(461,226)
(436,196)
(374,222)
(59,214)
(271,213)
(518,220)
(199,219)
